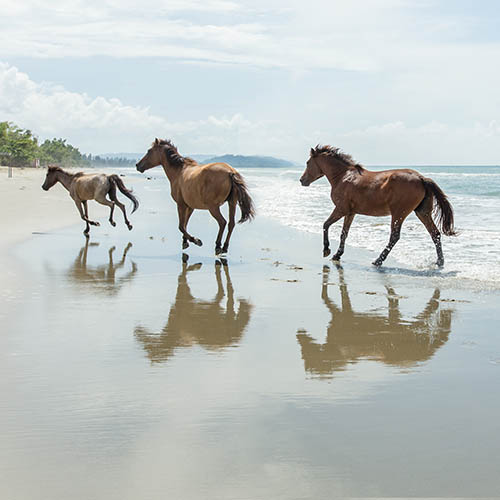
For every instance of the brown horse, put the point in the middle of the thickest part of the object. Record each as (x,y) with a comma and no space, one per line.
(83,187)
(204,187)
(356,190)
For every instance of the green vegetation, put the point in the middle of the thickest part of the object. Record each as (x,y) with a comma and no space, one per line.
(20,148)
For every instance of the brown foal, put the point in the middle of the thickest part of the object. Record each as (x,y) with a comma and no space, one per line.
(204,187)
(356,190)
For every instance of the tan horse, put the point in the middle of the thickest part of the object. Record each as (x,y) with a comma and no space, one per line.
(83,187)
(356,190)
(204,187)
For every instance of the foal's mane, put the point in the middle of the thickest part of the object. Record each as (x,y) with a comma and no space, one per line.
(337,154)
(173,156)
(55,168)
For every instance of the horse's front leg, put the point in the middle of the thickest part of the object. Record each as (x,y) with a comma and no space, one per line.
(184,214)
(84,215)
(334,217)
(343,236)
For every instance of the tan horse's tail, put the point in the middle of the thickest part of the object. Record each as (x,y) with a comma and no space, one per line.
(243,196)
(115,179)
(442,207)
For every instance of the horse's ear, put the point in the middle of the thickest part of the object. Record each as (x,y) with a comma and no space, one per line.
(157,141)
(312,152)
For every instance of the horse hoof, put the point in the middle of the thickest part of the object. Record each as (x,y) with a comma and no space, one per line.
(218,250)
(95,223)
(198,242)
(326,252)
(185,245)
(440,263)
(130,227)
(336,257)
(86,234)
(377,263)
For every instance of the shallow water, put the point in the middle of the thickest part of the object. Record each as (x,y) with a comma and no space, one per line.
(128,371)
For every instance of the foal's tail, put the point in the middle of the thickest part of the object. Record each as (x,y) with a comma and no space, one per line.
(115,179)
(442,207)
(244,199)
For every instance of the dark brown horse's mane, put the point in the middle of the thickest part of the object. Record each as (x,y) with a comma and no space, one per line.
(173,156)
(55,168)
(336,153)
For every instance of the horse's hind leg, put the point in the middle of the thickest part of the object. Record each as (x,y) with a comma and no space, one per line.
(426,219)
(215,212)
(230,227)
(121,206)
(112,195)
(101,198)
(396,224)
(343,236)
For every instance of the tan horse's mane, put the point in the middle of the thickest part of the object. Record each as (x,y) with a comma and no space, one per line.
(337,154)
(173,156)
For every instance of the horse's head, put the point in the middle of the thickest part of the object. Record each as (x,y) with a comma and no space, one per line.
(313,171)
(151,159)
(50,178)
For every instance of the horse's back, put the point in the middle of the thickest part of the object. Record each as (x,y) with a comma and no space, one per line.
(207,185)
(384,192)
(87,185)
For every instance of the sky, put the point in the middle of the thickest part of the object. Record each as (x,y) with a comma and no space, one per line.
(392,82)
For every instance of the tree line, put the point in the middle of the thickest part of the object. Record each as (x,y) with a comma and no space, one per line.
(20,148)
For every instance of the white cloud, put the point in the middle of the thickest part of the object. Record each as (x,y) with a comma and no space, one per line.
(430,143)
(355,35)
(96,124)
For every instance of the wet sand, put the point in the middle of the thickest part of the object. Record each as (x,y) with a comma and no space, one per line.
(129,370)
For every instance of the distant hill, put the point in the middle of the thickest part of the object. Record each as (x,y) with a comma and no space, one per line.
(250,161)
(233,160)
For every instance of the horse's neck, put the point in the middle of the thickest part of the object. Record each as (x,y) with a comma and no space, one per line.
(65,179)
(172,173)
(335,172)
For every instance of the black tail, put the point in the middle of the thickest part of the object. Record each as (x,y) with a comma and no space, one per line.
(442,207)
(244,199)
(127,192)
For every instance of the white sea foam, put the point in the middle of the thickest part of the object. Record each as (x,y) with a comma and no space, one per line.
(472,258)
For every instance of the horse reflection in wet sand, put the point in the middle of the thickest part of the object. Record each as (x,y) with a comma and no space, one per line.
(352,336)
(101,277)
(192,321)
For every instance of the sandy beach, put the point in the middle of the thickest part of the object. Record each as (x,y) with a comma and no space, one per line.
(131,371)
